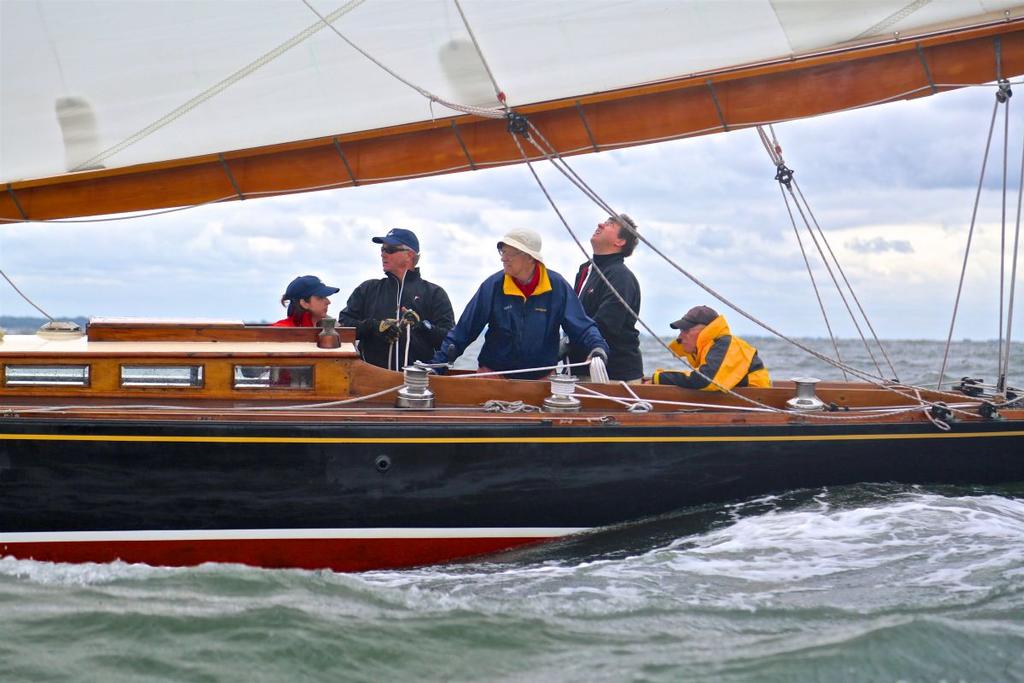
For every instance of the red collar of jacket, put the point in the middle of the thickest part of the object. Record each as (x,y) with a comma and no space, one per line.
(538,284)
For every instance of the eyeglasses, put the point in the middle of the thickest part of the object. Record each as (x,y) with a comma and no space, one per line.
(393,250)
(509,252)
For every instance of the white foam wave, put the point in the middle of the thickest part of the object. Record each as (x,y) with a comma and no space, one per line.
(874,555)
(961,544)
(85,574)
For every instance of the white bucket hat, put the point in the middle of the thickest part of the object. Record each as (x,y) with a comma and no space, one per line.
(525,240)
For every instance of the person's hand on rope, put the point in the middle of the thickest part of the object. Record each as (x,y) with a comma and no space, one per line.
(598,371)
(410,318)
(388,328)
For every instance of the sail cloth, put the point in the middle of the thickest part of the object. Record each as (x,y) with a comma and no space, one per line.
(150,94)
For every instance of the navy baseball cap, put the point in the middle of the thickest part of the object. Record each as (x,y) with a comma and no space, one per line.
(306,286)
(401,236)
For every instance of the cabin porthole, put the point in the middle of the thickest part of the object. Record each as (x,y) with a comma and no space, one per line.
(383,463)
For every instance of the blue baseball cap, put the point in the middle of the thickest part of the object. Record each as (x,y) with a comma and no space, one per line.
(306,286)
(401,236)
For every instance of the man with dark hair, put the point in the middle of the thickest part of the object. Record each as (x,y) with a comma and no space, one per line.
(614,240)
(722,360)
(400,318)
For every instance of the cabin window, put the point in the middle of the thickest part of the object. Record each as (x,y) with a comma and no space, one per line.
(273,376)
(46,375)
(186,376)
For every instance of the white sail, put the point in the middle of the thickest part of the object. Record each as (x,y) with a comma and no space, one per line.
(166,80)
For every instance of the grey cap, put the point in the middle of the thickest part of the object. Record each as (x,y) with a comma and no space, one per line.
(698,315)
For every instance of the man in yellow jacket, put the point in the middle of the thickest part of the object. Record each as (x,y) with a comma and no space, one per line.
(707,344)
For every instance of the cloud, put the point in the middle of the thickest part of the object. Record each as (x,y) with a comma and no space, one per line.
(879,245)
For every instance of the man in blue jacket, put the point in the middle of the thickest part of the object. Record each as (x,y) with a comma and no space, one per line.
(523,307)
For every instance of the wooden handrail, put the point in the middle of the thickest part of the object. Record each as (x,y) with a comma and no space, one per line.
(151,331)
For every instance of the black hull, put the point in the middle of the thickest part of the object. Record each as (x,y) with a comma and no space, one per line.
(82,490)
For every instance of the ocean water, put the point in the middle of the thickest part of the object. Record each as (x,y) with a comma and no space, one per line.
(915,361)
(873,582)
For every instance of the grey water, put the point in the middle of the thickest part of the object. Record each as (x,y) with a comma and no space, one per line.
(874,582)
(914,362)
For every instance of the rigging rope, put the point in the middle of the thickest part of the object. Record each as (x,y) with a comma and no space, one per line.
(1004,366)
(487,67)
(814,284)
(1003,223)
(853,294)
(967,249)
(495,373)
(864,414)
(581,184)
(1002,226)
(598,371)
(23,296)
(576,180)
(218,88)
(231,409)
(785,178)
(496,406)
(485,112)
(710,380)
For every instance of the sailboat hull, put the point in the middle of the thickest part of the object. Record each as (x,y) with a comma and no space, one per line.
(374,495)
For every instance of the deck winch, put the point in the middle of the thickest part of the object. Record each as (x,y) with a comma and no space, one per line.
(416,393)
(561,399)
(60,329)
(805,398)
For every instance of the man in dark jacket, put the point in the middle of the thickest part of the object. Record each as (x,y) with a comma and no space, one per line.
(614,240)
(523,307)
(400,310)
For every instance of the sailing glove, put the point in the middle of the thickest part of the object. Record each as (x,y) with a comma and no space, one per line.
(388,328)
(410,318)
(599,352)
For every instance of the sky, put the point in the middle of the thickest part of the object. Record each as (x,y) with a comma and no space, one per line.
(892,187)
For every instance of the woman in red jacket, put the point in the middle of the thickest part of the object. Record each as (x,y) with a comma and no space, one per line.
(307,302)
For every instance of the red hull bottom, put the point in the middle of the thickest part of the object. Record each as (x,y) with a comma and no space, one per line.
(342,554)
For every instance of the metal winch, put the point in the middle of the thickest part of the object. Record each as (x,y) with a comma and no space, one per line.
(805,399)
(60,330)
(415,393)
(561,399)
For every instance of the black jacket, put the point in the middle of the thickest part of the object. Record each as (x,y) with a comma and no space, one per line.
(616,324)
(375,300)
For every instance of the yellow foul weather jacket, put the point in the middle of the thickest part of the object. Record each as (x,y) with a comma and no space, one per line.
(728,360)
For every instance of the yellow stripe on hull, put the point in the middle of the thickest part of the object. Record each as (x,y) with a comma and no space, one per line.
(501,439)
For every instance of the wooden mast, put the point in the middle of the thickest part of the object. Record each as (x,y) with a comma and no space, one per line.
(692,105)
